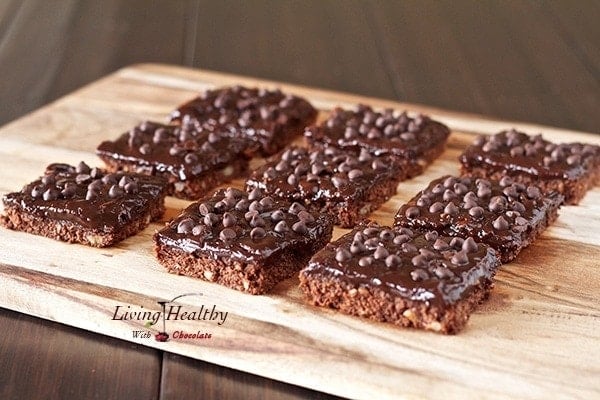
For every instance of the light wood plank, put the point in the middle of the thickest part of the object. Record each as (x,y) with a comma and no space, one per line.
(535,338)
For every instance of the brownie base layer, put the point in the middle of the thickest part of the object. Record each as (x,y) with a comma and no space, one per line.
(250,277)
(71,232)
(418,166)
(574,190)
(377,305)
(190,189)
(348,215)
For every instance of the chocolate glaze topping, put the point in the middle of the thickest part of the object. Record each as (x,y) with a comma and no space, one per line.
(323,174)
(428,268)
(182,151)
(242,226)
(518,152)
(380,132)
(89,197)
(494,212)
(256,114)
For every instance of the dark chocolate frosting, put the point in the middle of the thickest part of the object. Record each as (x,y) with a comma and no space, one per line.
(88,197)
(423,267)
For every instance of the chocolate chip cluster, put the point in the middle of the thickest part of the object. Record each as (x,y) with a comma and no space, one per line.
(505,204)
(242,107)
(319,169)
(373,125)
(420,256)
(547,154)
(66,182)
(232,215)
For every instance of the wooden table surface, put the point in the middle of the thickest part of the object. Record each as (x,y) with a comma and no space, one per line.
(532,61)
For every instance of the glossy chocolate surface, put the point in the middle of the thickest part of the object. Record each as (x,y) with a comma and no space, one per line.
(256,114)
(242,226)
(182,151)
(497,213)
(88,197)
(517,152)
(379,132)
(321,175)
(428,268)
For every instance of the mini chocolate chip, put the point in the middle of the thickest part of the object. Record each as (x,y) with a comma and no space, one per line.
(467,205)
(357,247)
(175,150)
(460,188)
(91,195)
(517,151)
(374,133)
(69,191)
(469,245)
(282,166)
(306,217)
(547,161)
(380,253)
(296,207)
(401,239)
(342,255)
(497,204)
(281,227)
(460,258)
(443,272)
(574,159)
(440,245)
(145,149)
(204,208)
(292,180)
(451,209)
(277,215)
(449,182)
(392,260)
(82,168)
(419,261)
(255,194)
(428,254)
(109,179)
(250,214)
(229,220)
(520,221)
(470,196)
(258,233)
(448,195)
(213,138)
(210,219)
(83,178)
(511,191)
(300,227)
(389,130)
(484,191)
(185,226)
(96,185)
(533,192)
(337,181)
(355,174)
(409,248)
(365,261)
(131,188)
(222,205)
(190,158)
(519,207)
(412,212)
(386,234)
(506,181)
(227,234)
(456,243)
(476,212)
(270,173)
(115,191)
(372,243)
(378,164)
(419,275)
(436,207)
(267,202)
(50,194)
(124,180)
(198,230)
(257,220)
(500,224)
(431,236)
(423,201)
(255,206)
(37,191)
(364,156)
(370,231)
(439,188)
(350,133)
(242,205)
(301,169)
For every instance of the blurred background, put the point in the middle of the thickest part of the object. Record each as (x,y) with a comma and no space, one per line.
(535,61)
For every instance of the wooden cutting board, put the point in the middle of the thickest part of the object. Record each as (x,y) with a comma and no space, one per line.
(538,336)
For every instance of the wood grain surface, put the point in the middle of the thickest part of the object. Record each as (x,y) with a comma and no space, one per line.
(536,336)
